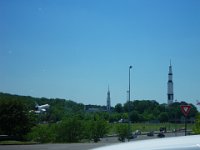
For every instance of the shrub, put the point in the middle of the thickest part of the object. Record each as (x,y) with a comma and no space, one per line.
(42,133)
(15,119)
(196,128)
(95,129)
(70,130)
(122,131)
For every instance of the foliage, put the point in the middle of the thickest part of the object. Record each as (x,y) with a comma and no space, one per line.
(119,108)
(123,132)
(95,129)
(134,116)
(196,128)
(68,121)
(70,130)
(150,110)
(174,111)
(163,117)
(146,127)
(59,108)
(42,133)
(15,119)
(115,117)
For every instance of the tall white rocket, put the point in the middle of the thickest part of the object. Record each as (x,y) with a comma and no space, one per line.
(170,93)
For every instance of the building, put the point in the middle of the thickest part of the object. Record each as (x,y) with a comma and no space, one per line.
(108,100)
(170,92)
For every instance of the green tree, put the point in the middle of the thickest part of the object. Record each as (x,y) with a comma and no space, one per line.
(128,105)
(148,116)
(70,130)
(163,117)
(15,119)
(196,128)
(118,108)
(123,132)
(115,117)
(95,129)
(174,111)
(43,133)
(134,116)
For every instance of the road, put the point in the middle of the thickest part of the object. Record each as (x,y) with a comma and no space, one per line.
(79,146)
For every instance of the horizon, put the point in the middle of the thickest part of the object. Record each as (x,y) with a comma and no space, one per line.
(88,104)
(75,49)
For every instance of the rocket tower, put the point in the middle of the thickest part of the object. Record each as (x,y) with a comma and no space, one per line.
(108,100)
(170,93)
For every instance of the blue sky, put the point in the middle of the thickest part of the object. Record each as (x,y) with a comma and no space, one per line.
(74,49)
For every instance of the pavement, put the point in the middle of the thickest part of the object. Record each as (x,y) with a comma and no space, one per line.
(77,146)
(81,146)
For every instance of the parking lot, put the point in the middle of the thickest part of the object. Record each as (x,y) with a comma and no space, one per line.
(142,137)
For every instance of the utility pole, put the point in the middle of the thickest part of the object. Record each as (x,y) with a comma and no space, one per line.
(129,97)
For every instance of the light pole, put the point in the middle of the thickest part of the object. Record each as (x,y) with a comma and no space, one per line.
(129,98)
(175,120)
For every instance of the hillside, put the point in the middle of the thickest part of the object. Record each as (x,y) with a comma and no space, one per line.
(59,108)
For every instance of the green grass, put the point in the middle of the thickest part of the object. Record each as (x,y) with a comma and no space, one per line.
(16,143)
(155,127)
(146,127)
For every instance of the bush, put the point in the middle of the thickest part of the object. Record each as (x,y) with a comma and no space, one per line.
(94,130)
(163,117)
(70,130)
(43,133)
(15,119)
(196,128)
(122,131)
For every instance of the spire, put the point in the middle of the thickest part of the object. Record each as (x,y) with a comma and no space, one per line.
(108,93)
(108,100)
(170,92)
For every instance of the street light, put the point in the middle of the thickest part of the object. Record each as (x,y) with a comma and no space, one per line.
(129,98)
(175,120)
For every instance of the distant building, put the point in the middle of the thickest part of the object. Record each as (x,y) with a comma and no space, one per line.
(94,108)
(170,92)
(108,101)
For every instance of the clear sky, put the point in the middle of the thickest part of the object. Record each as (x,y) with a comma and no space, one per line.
(74,49)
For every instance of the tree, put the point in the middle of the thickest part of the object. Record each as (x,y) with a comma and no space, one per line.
(197,125)
(128,105)
(115,117)
(119,108)
(144,105)
(174,111)
(122,131)
(15,119)
(70,130)
(43,133)
(163,117)
(134,116)
(95,129)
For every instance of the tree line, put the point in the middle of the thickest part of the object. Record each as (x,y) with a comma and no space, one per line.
(68,121)
(152,111)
